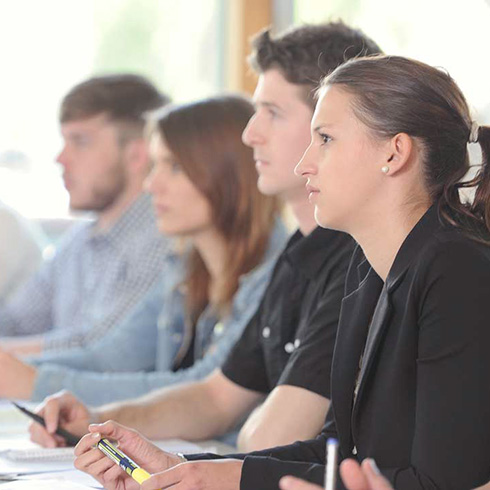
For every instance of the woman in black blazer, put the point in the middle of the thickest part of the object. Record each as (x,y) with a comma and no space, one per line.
(411,367)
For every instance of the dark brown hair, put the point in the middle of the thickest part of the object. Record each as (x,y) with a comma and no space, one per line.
(205,139)
(124,98)
(392,95)
(305,54)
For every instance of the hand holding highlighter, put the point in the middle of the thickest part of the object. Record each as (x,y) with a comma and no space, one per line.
(124,461)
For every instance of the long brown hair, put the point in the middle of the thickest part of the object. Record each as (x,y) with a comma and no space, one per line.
(392,95)
(205,139)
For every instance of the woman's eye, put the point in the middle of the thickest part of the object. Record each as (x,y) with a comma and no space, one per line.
(325,138)
(175,167)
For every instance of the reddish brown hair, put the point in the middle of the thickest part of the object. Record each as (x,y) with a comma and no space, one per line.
(205,138)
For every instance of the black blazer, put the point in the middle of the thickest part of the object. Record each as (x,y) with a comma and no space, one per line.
(423,404)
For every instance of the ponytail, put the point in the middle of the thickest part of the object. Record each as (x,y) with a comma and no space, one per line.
(392,95)
(481,203)
(474,218)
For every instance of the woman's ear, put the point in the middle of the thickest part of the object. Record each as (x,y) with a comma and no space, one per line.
(399,154)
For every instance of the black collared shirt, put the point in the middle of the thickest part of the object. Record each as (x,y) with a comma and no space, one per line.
(290,339)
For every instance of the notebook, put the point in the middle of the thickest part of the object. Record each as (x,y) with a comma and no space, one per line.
(39,454)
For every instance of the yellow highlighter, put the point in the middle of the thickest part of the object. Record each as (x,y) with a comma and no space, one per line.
(124,461)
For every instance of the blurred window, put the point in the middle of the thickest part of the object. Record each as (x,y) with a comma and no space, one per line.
(47,47)
(451,35)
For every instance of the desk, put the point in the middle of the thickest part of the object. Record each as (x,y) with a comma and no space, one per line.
(14,433)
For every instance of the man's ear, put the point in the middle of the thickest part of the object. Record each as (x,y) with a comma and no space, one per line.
(137,156)
(400,153)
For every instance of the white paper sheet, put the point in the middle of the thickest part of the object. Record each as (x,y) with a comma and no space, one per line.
(43,485)
(73,476)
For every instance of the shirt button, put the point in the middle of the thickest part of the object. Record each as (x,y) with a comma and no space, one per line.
(218,328)
(297,343)
(289,347)
(266,332)
(354,450)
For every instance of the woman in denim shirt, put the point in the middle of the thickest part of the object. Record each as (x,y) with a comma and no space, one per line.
(204,191)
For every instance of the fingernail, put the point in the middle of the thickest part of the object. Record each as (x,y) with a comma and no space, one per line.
(374,466)
(95,425)
(285,483)
(96,435)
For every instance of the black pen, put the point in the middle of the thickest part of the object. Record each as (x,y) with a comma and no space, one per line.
(71,439)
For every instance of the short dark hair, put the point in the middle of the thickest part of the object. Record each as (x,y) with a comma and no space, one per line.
(125,98)
(306,54)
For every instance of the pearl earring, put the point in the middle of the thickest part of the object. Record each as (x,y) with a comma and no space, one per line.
(385,169)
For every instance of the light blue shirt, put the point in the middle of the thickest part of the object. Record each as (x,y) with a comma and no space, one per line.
(94,280)
(138,355)
(20,250)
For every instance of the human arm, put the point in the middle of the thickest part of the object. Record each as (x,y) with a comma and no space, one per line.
(195,411)
(92,461)
(133,347)
(297,406)
(26,345)
(17,379)
(166,469)
(200,410)
(288,414)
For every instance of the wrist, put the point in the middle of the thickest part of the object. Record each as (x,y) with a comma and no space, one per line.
(182,458)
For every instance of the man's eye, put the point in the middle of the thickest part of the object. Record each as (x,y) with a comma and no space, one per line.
(81,141)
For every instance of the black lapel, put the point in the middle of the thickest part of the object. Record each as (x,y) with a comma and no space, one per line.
(410,248)
(379,323)
(355,315)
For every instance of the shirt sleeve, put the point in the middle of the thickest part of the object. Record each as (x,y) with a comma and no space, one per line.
(143,273)
(264,469)
(91,372)
(245,365)
(310,363)
(134,342)
(29,311)
(452,403)
(20,254)
(450,444)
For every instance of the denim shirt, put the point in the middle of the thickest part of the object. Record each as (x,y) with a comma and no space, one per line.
(137,356)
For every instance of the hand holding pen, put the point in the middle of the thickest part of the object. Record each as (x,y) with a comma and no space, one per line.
(60,410)
(67,437)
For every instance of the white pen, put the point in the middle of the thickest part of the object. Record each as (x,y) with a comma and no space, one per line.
(331,467)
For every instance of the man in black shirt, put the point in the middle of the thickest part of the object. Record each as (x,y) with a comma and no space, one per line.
(286,350)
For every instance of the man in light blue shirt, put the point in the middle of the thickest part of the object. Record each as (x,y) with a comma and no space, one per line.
(20,250)
(102,268)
